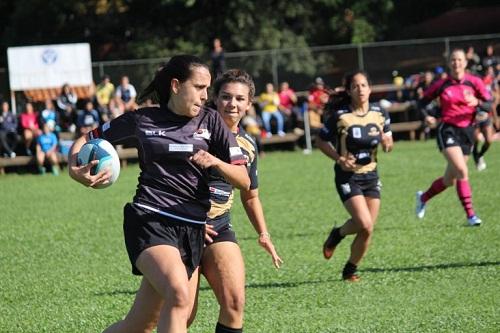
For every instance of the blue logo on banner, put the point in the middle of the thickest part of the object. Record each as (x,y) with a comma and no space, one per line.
(49,56)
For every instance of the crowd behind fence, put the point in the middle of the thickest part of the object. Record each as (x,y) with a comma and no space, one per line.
(300,66)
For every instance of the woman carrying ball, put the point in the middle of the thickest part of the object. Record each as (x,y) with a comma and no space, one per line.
(350,138)
(164,226)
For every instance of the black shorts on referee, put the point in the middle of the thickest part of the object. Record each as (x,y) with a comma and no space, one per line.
(143,229)
(451,136)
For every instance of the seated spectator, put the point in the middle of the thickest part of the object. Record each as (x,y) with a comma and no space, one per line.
(473,60)
(104,94)
(126,94)
(49,116)
(87,119)
(490,59)
(288,105)
(46,150)
(251,125)
(9,138)
(318,97)
(66,102)
(29,126)
(269,102)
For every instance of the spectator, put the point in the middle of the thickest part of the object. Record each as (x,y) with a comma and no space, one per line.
(288,105)
(29,126)
(87,119)
(251,125)
(46,149)
(49,116)
(104,94)
(126,94)
(66,102)
(217,59)
(440,73)
(318,97)
(269,102)
(9,138)
(473,60)
(489,59)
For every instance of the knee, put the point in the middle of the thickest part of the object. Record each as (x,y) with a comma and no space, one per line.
(462,173)
(178,297)
(234,303)
(365,227)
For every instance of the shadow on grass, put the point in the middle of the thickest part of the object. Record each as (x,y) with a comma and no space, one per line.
(294,284)
(432,267)
(285,236)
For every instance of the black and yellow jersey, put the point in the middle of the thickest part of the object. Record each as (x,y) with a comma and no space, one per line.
(221,192)
(357,135)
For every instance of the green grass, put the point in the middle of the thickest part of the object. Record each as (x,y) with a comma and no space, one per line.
(63,265)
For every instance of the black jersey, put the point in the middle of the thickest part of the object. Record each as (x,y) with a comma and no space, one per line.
(357,135)
(169,183)
(221,192)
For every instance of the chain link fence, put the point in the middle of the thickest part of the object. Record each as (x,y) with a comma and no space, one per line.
(301,65)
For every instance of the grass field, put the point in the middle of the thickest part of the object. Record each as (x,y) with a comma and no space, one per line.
(63,265)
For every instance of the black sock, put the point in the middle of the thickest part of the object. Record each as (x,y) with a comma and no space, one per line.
(224,329)
(334,238)
(484,148)
(349,269)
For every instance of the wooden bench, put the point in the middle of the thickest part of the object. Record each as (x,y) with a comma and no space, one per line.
(289,140)
(410,126)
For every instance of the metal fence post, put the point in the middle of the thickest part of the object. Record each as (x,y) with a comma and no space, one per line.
(274,60)
(361,63)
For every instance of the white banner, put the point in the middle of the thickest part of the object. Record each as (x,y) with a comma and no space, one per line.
(49,66)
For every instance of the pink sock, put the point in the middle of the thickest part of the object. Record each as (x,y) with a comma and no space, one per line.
(437,187)
(465,195)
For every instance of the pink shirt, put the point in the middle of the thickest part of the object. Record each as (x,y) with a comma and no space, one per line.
(451,93)
(29,120)
(285,99)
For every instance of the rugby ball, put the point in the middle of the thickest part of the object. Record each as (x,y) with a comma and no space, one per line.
(105,153)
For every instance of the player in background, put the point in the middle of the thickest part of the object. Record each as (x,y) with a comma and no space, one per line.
(351,137)
(459,96)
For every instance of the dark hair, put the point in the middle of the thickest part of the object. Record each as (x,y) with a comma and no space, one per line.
(342,98)
(178,67)
(235,75)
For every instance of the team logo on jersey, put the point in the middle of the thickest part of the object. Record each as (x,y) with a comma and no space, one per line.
(346,188)
(450,141)
(373,131)
(155,132)
(356,133)
(202,133)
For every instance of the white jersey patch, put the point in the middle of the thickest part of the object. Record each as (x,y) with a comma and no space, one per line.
(233,151)
(177,147)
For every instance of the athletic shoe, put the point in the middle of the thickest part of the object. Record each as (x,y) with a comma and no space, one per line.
(12,154)
(481,164)
(281,133)
(474,221)
(351,278)
(420,206)
(330,243)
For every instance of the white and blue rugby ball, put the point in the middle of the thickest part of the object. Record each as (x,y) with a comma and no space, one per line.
(105,153)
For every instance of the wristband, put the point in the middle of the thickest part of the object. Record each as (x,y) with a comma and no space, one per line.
(265,234)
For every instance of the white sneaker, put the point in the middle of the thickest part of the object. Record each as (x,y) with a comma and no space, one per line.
(481,164)
(281,133)
(474,221)
(269,135)
(420,206)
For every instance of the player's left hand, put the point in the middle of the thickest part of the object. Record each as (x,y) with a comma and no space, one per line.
(267,244)
(387,143)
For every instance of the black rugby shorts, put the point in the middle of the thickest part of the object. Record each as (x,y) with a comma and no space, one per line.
(144,229)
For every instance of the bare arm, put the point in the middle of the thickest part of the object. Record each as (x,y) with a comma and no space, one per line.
(236,175)
(253,207)
(346,163)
